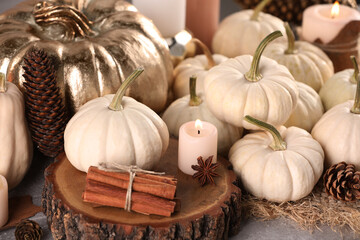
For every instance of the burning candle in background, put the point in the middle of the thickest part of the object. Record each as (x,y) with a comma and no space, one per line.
(335,29)
(4,209)
(196,138)
(202,18)
(325,21)
(167,15)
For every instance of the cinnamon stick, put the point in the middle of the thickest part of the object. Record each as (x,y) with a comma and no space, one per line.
(161,186)
(103,194)
(159,178)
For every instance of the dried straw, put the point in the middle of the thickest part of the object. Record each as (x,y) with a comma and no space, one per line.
(308,213)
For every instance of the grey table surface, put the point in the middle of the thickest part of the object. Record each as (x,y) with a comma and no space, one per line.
(251,229)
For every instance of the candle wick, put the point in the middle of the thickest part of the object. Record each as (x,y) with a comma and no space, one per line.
(198,131)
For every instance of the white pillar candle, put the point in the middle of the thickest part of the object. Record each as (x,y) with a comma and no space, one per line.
(4,209)
(167,15)
(318,22)
(194,141)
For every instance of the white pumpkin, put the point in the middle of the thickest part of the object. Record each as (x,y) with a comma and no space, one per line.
(278,166)
(306,62)
(199,66)
(15,140)
(116,129)
(241,32)
(192,107)
(309,108)
(246,85)
(340,87)
(338,132)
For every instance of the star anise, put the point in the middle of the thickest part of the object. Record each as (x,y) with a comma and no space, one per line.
(205,170)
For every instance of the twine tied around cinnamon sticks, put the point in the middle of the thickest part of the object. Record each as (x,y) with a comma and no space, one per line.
(132,170)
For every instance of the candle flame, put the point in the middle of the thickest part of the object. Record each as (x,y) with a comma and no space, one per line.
(335,10)
(198,124)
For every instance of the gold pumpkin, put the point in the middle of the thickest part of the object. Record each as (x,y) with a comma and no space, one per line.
(95,45)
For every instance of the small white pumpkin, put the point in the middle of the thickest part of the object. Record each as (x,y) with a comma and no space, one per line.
(241,33)
(280,166)
(267,91)
(15,140)
(338,132)
(306,62)
(115,128)
(340,87)
(192,107)
(198,65)
(309,108)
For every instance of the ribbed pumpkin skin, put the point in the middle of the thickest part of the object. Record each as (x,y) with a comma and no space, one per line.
(134,135)
(238,35)
(230,96)
(309,109)
(95,65)
(15,140)
(338,132)
(308,64)
(278,176)
(192,66)
(338,89)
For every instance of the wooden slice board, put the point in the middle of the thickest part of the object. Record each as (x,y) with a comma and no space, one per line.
(209,212)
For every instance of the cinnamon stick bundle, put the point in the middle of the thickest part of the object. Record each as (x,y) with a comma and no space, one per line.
(107,195)
(161,186)
(151,194)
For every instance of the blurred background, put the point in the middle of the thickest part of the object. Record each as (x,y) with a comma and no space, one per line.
(227,6)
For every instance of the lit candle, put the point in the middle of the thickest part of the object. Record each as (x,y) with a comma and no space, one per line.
(325,21)
(4,211)
(196,138)
(167,15)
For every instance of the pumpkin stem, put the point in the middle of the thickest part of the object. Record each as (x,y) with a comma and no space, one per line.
(194,99)
(259,9)
(2,83)
(291,39)
(355,75)
(74,21)
(115,104)
(253,74)
(356,107)
(206,51)
(279,144)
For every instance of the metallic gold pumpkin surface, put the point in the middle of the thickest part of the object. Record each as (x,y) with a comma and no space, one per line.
(95,44)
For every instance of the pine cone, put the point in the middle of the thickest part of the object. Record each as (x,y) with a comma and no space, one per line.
(342,182)
(28,230)
(44,107)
